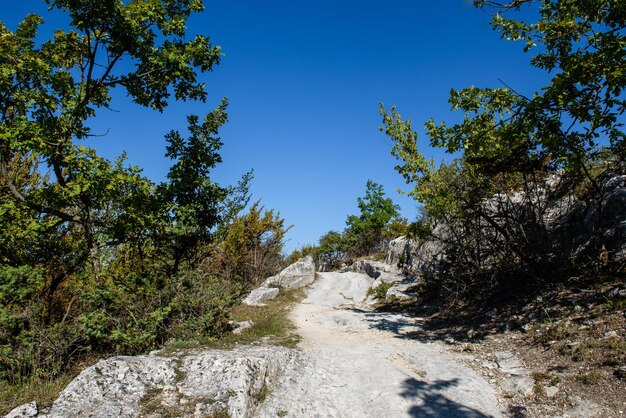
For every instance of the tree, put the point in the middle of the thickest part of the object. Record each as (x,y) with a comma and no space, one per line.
(50,91)
(250,250)
(576,119)
(95,257)
(331,249)
(365,233)
(192,204)
(509,141)
(572,124)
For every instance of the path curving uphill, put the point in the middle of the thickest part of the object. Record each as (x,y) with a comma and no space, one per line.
(365,364)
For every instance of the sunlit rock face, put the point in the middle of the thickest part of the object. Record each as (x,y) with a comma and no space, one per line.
(195,384)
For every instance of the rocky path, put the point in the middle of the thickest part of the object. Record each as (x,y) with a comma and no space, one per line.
(352,363)
(364,364)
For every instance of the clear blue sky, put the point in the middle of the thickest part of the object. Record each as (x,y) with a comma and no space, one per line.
(304,80)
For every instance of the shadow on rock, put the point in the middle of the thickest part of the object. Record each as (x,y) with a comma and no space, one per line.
(433,403)
(462,328)
(401,325)
(516,309)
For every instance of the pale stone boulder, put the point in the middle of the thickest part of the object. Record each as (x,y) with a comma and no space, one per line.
(197,384)
(373,268)
(238,327)
(401,291)
(299,274)
(425,258)
(114,387)
(389,278)
(259,296)
(400,251)
(26,410)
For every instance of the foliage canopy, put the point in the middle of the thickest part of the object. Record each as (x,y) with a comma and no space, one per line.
(571,124)
(571,130)
(95,258)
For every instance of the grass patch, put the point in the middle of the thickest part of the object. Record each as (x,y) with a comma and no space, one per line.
(584,351)
(616,353)
(152,403)
(590,378)
(539,389)
(616,305)
(271,325)
(543,379)
(547,378)
(553,331)
(44,392)
(262,395)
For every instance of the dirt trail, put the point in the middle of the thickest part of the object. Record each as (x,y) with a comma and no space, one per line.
(362,364)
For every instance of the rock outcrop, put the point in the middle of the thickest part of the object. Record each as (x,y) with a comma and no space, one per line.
(299,274)
(386,274)
(26,410)
(260,295)
(373,268)
(549,214)
(424,258)
(609,216)
(400,252)
(208,383)
(568,229)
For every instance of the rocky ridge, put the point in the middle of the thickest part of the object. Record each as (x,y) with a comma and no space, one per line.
(217,382)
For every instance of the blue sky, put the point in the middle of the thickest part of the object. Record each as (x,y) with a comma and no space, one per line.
(304,80)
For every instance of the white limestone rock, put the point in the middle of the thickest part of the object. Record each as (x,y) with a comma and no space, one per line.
(238,327)
(389,278)
(26,410)
(259,296)
(373,268)
(299,274)
(114,387)
(519,384)
(400,252)
(196,384)
(509,363)
(401,291)
(233,379)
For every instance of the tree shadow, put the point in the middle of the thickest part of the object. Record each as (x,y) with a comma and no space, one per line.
(392,322)
(463,325)
(509,308)
(432,403)
(408,327)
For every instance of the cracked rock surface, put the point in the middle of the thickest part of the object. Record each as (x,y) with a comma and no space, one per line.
(200,384)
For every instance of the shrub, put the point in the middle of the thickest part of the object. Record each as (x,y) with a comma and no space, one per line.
(380,291)
(118,315)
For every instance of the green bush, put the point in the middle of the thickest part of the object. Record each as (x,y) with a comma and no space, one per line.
(380,291)
(115,316)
